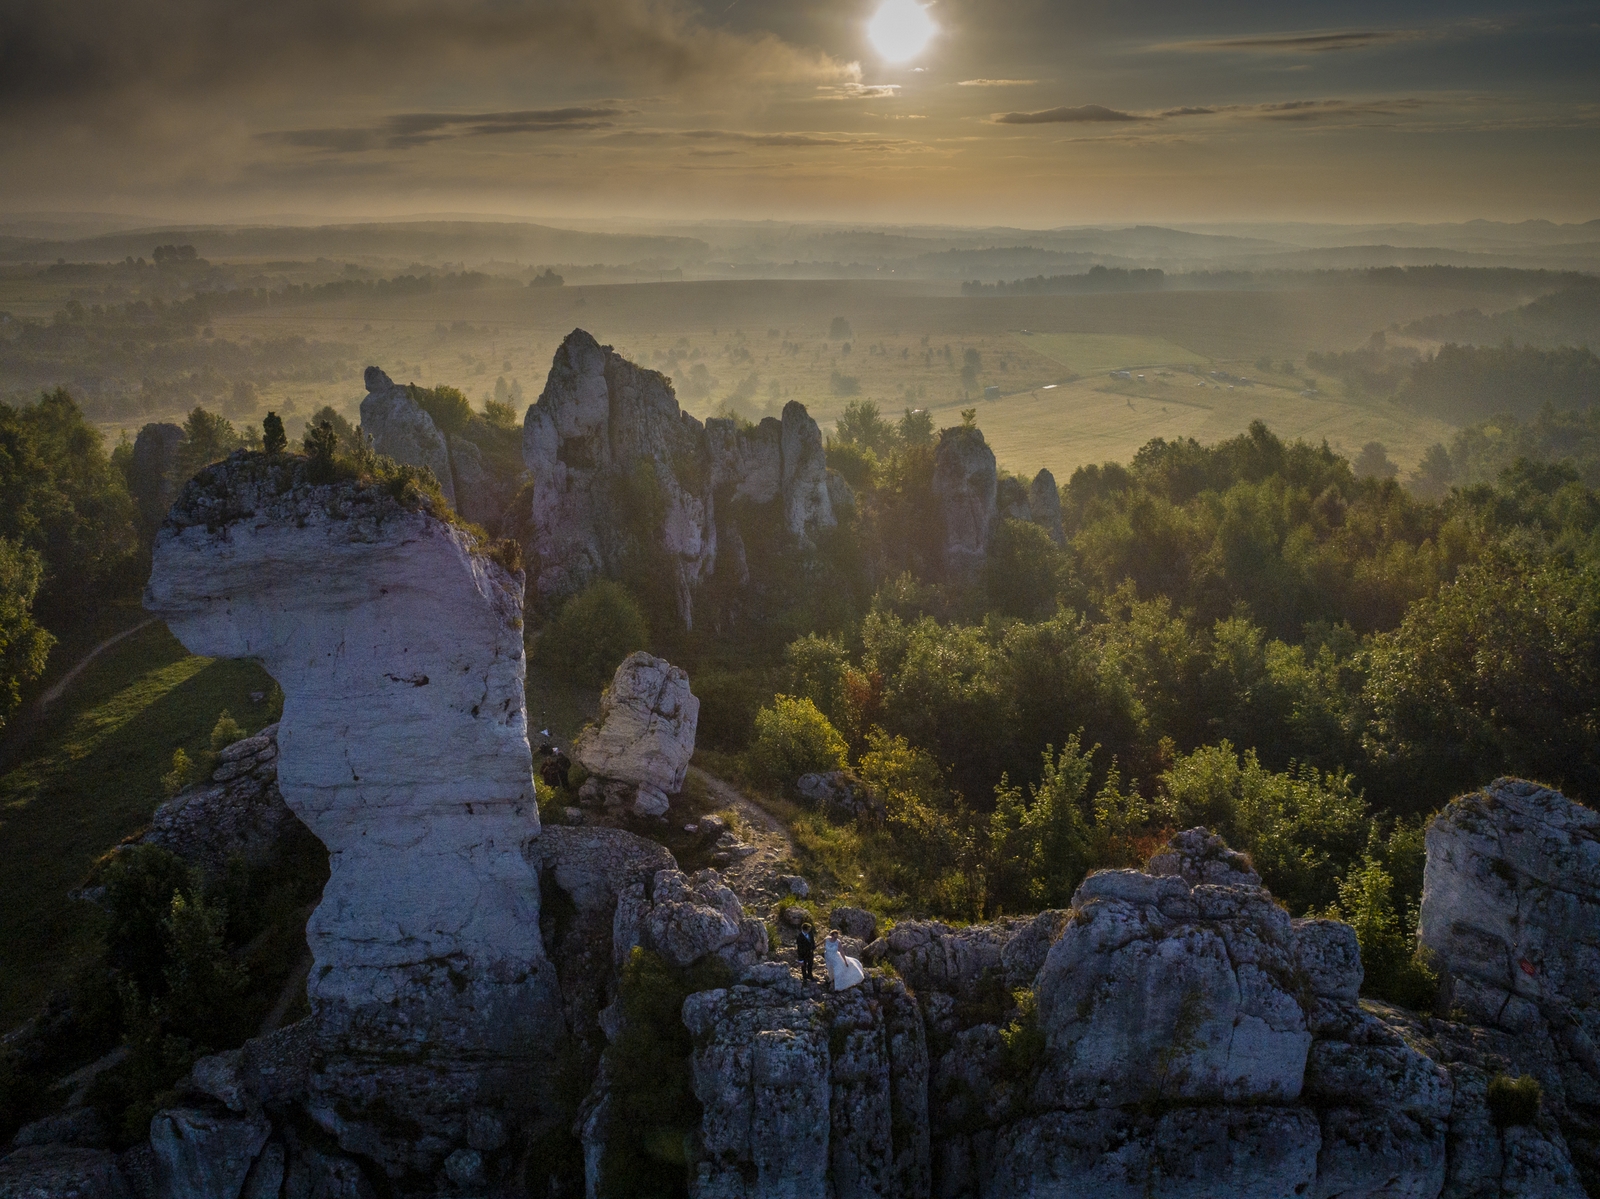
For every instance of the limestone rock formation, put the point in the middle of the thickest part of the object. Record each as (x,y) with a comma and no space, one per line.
(401,430)
(403,747)
(809,1093)
(1511,909)
(1044,506)
(965,486)
(645,736)
(61,1172)
(605,430)
(238,812)
(840,794)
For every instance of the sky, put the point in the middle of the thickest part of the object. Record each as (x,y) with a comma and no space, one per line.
(1037,113)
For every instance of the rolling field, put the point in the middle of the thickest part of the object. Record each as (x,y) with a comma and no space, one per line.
(751,346)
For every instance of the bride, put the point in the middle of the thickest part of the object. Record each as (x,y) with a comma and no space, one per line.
(846,971)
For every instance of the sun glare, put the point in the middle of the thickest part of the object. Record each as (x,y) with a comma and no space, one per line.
(900,30)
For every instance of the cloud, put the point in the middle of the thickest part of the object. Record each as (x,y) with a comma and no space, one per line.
(87,51)
(1191,112)
(997,82)
(1316,42)
(404,130)
(1083,113)
(789,139)
(1316,110)
(858,91)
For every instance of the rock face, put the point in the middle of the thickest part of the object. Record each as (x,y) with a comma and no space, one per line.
(1511,909)
(607,447)
(1044,506)
(965,486)
(399,650)
(240,811)
(400,429)
(645,736)
(806,1093)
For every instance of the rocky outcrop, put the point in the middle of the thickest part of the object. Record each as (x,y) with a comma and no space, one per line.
(403,746)
(840,795)
(401,430)
(607,447)
(1511,912)
(639,751)
(1044,506)
(809,1093)
(238,813)
(61,1172)
(965,486)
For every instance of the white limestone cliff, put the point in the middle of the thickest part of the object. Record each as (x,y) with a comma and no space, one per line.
(401,430)
(403,746)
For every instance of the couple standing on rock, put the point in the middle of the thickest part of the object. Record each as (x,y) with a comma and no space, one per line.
(846,971)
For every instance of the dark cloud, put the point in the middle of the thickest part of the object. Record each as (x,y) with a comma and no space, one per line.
(1190,112)
(1316,110)
(63,50)
(407,129)
(1083,113)
(1321,42)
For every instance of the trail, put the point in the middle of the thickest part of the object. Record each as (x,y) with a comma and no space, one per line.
(66,680)
(755,877)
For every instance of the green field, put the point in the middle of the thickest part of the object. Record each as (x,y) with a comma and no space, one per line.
(90,777)
(1089,353)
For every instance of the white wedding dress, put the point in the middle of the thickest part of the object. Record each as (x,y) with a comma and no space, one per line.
(846,971)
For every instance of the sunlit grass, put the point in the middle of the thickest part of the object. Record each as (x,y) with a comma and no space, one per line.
(90,776)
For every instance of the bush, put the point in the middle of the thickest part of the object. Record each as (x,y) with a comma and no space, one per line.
(729,701)
(449,409)
(1513,1100)
(594,631)
(794,738)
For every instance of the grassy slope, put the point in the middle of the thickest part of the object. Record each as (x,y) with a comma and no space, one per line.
(90,777)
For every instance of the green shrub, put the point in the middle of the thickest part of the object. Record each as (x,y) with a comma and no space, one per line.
(449,409)
(1513,1101)
(140,882)
(226,731)
(729,701)
(594,631)
(1394,968)
(794,738)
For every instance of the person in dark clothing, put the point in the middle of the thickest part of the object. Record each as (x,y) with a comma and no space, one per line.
(805,948)
(555,770)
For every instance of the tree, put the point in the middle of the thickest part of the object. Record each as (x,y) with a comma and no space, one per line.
(862,424)
(916,427)
(273,439)
(207,438)
(1434,474)
(839,329)
(1499,673)
(971,364)
(794,738)
(349,436)
(594,631)
(1373,462)
(449,408)
(24,646)
(1025,570)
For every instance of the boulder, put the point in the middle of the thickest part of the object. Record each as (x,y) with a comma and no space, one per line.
(964,487)
(401,430)
(1330,957)
(840,795)
(398,646)
(645,735)
(61,1172)
(854,922)
(1044,506)
(482,494)
(201,1155)
(690,918)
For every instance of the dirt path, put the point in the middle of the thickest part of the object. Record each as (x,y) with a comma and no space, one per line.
(755,877)
(66,680)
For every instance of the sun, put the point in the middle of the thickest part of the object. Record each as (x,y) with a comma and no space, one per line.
(900,30)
